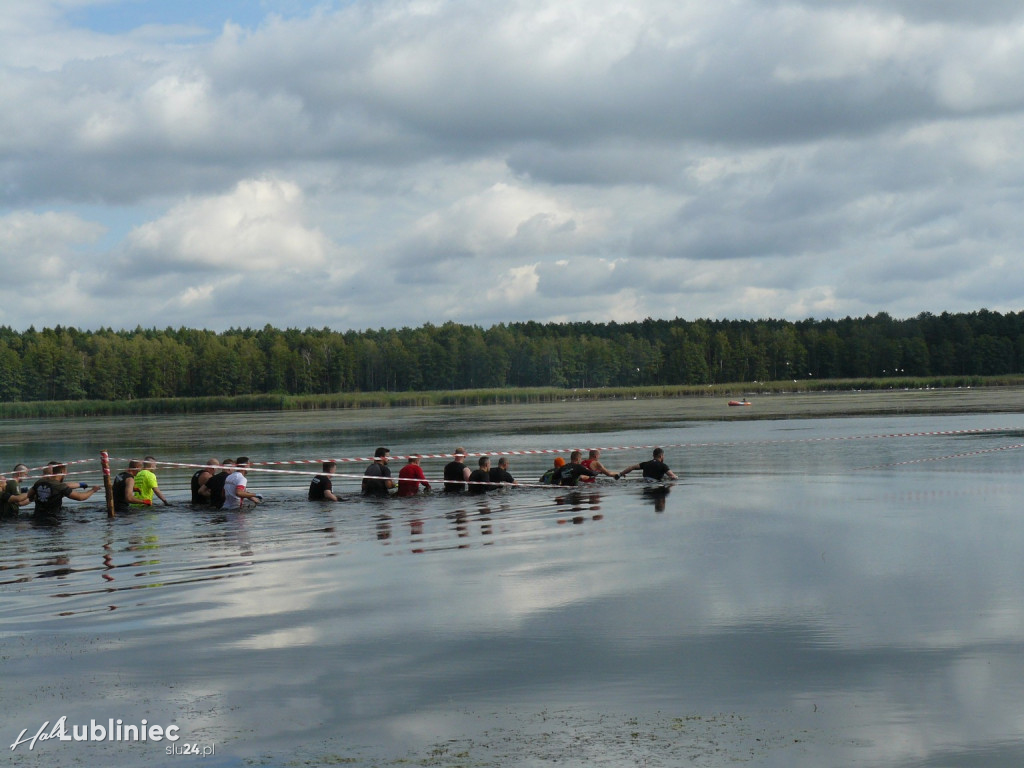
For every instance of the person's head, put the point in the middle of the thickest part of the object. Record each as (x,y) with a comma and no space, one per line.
(503,462)
(575,457)
(212,463)
(594,454)
(414,459)
(459,453)
(658,453)
(20,471)
(242,464)
(56,470)
(329,467)
(381,455)
(227,465)
(484,462)
(149,462)
(559,461)
(134,466)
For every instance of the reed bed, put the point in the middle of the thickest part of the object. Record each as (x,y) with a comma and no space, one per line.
(511,396)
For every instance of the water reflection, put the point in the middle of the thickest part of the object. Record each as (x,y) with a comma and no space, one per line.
(64,569)
(578,504)
(657,495)
(829,618)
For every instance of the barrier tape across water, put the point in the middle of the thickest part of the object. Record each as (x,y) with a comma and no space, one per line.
(260,465)
(943,458)
(266,466)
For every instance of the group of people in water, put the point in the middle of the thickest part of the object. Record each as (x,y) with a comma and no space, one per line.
(578,469)
(224,484)
(457,477)
(219,484)
(47,493)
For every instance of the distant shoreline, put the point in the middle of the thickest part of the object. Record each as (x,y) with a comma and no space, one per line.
(600,415)
(769,400)
(896,402)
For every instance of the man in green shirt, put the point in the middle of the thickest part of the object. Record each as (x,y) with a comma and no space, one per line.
(146,486)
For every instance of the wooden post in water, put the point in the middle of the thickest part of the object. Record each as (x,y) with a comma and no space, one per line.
(107,487)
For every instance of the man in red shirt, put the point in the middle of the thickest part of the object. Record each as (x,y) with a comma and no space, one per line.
(594,462)
(410,477)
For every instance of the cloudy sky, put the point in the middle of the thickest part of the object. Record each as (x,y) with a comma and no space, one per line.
(383,163)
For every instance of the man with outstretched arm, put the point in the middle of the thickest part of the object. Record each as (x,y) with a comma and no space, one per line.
(50,490)
(593,461)
(654,469)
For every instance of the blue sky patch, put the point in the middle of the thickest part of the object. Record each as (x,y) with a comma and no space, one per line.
(123,16)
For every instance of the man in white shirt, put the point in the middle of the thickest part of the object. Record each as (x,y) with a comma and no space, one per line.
(234,487)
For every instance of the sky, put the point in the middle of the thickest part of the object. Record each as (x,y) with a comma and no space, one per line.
(381,164)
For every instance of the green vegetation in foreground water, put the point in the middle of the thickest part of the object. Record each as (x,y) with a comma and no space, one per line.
(600,740)
(504,396)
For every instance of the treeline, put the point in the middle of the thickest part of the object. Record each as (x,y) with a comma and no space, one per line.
(106,365)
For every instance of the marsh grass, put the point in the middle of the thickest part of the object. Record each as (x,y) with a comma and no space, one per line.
(466,397)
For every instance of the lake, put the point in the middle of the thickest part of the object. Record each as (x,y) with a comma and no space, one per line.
(812,592)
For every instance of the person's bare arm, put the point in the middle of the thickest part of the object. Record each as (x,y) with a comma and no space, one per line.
(129,490)
(81,495)
(245,493)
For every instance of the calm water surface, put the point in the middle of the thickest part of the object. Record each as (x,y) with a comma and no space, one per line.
(829,592)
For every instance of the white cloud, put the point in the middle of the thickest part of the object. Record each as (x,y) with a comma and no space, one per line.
(506,221)
(24,234)
(258,226)
(37,248)
(515,285)
(45,260)
(390,157)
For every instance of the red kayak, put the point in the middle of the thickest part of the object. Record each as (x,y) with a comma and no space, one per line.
(739,402)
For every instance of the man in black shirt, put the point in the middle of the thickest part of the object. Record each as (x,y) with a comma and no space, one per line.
(655,469)
(320,487)
(200,478)
(49,492)
(214,487)
(500,474)
(456,473)
(377,477)
(570,473)
(479,479)
(123,487)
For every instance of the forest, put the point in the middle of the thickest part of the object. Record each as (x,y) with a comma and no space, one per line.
(69,364)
